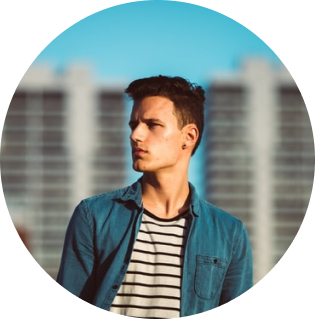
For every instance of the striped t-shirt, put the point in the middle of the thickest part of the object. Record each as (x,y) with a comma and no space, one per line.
(151,287)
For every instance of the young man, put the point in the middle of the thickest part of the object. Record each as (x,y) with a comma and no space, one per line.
(155,249)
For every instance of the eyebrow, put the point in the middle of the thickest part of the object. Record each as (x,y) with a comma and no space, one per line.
(149,120)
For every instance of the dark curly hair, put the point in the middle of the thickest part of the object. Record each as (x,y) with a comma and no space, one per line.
(188,98)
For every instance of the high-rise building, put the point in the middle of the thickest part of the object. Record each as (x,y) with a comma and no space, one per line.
(64,139)
(260,156)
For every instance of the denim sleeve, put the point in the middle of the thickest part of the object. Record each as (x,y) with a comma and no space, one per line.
(239,276)
(77,262)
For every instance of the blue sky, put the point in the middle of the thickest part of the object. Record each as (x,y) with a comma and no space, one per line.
(147,38)
(156,37)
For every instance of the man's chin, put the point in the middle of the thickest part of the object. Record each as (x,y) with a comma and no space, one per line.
(140,168)
(137,168)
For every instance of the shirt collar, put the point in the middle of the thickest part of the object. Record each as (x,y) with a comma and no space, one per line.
(134,193)
(195,200)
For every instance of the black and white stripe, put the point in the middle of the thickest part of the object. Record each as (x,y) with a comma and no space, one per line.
(151,287)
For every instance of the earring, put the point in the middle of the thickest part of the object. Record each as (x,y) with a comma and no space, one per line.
(184,146)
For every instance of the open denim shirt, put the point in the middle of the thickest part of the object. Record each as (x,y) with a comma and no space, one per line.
(101,234)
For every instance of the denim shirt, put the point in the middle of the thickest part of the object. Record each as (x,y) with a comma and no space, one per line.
(101,234)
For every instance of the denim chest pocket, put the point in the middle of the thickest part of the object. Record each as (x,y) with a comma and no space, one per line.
(209,275)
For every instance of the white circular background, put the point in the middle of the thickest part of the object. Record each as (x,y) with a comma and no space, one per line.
(27,27)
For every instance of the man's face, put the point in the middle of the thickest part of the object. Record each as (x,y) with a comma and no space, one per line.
(156,140)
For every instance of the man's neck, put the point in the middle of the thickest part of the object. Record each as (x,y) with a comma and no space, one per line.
(165,196)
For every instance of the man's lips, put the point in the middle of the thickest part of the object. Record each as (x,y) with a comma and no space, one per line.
(138,151)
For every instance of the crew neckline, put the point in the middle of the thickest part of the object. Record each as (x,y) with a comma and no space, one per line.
(179,216)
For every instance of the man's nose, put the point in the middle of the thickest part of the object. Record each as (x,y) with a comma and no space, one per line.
(137,133)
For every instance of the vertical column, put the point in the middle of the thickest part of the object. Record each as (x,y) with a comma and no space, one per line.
(34,172)
(80,130)
(262,123)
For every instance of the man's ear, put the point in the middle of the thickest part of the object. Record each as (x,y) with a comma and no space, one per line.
(191,135)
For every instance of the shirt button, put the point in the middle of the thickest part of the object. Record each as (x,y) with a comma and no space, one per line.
(115,287)
(215,260)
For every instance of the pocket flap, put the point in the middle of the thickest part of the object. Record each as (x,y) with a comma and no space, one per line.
(211,260)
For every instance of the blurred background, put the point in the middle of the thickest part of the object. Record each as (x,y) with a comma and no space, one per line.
(65,135)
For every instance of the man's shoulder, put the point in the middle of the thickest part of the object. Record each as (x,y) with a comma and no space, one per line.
(99,207)
(105,197)
(212,211)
